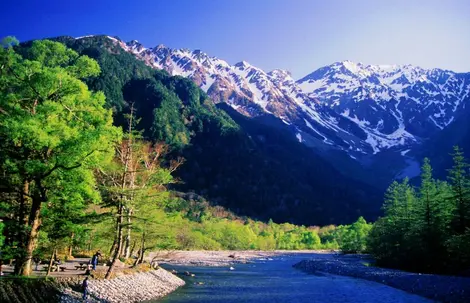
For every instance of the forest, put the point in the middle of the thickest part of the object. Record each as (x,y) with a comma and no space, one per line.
(111,155)
(426,228)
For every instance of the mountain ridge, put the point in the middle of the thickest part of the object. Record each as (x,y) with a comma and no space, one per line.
(324,105)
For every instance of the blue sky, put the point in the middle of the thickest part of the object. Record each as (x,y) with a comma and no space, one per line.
(296,35)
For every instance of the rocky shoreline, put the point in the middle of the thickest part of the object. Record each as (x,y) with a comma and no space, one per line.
(219,258)
(127,288)
(450,289)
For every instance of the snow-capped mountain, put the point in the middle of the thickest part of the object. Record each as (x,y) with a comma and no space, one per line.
(247,88)
(393,104)
(253,92)
(361,109)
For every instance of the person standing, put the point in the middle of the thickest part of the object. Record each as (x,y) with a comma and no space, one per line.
(94,260)
(85,288)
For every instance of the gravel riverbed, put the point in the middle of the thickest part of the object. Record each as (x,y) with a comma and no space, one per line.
(437,287)
(137,287)
(218,257)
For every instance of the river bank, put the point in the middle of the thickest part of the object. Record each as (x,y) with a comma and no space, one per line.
(137,287)
(124,287)
(437,287)
(220,258)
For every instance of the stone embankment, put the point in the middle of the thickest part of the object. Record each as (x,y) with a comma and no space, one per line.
(127,288)
(437,287)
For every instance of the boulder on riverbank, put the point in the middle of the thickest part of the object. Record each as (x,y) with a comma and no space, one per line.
(437,287)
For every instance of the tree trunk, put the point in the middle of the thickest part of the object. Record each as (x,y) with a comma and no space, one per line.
(127,248)
(34,222)
(138,257)
(115,241)
(127,159)
(119,243)
(132,248)
(113,247)
(22,226)
(71,245)
(51,260)
(142,255)
(142,249)
(24,199)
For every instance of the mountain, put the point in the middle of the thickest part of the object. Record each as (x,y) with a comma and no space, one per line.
(253,92)
(252,165)
(395,105)
(356,108)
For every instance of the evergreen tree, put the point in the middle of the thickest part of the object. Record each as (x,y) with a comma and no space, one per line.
(428,230)
(390,238)
(459,180)
(458,244)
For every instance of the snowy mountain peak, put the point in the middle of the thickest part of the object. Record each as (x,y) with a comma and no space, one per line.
(135,46)
(351,66)
(160,46)
(361,109)
(280,74)
(243,65)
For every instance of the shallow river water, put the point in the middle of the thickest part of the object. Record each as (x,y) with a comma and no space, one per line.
(275,280)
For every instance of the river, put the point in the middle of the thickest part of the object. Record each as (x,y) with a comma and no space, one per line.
(275,280)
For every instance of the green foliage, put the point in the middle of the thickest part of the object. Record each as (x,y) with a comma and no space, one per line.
(425,229)
(460,183)
(353,238)
(2,237)
(54,132)
(183,227)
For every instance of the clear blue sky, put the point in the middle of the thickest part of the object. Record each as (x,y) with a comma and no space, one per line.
(297,35)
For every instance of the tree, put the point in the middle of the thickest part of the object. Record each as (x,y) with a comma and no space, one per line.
(134,177)
(64,218)
(429,220)
(353,238)
(389,239)
(460,182)
(51,125)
